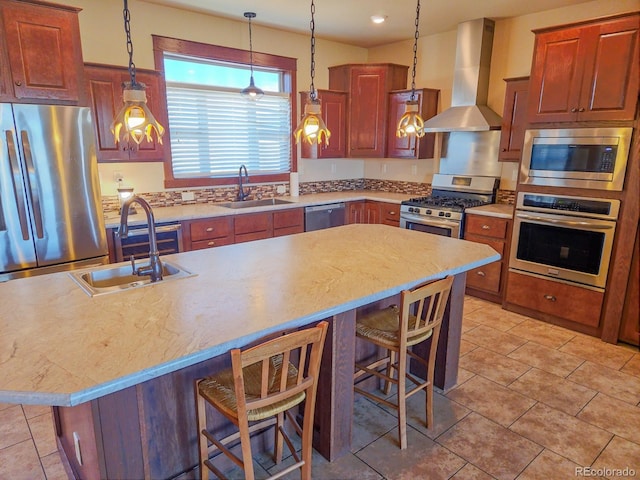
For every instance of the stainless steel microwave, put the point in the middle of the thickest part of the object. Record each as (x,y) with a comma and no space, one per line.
(594,158)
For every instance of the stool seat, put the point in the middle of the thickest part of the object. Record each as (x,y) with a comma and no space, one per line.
(382,326)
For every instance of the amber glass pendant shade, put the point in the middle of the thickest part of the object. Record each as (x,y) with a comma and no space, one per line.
(135,121)
(311,128)
(411,122)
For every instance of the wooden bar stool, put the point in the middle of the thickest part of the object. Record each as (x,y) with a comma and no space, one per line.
(257,392)
(396,330)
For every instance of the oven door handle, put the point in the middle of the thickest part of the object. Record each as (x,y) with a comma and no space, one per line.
(428,220)
(567,223)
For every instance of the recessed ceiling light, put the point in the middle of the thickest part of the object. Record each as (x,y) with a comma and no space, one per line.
(378,18)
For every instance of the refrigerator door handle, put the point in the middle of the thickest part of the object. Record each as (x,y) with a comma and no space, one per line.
(33,192)
(18,190)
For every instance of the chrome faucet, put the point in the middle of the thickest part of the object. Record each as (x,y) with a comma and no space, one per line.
(154,269)
(241,193)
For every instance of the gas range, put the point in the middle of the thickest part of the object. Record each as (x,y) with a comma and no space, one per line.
(443,212)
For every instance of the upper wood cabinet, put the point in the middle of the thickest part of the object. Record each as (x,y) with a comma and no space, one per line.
(41,58)
(368,86)
(105,84)
(514,119)
(334,114)
(585,72)
(410,146)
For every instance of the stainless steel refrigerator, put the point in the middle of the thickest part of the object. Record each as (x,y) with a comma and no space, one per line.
(50,209)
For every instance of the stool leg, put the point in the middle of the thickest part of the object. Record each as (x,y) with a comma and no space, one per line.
(245,441)
(430,405)
(277,454)
(402,400)
(392,359)
(307,439)
(202,440)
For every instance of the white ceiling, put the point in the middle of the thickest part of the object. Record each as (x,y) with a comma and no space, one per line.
(349,21)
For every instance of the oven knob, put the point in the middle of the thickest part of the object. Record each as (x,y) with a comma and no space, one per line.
(428,212)
(411,210)
(441,214)
(448,214)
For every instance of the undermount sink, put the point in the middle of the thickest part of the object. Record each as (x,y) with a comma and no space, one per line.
(253,203)
(103,280)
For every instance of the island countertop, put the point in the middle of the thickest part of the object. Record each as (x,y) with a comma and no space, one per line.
(61,347)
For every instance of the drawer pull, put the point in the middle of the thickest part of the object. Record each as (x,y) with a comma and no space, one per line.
(209,229)
(211,244)
(486,227)
(391,213)
(481,273)
(551,298)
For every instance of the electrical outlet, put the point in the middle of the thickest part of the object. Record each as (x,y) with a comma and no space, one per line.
(118,177)
(76,444)
(187,196)
(281,189)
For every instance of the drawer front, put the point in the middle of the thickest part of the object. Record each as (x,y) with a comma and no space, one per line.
(254,224)
(497,245)
(390,213)
(486,277)
(288,218)
(211,228)
(215,242)
(572,303)
(486,226)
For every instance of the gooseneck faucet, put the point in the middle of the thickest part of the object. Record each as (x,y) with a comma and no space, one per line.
(154,269)
(241,193)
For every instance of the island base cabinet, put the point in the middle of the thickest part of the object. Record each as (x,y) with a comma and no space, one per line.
(567,305)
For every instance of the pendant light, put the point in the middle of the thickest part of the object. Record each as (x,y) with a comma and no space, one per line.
(134,120)
(251,92)
(312,128)
(411,123)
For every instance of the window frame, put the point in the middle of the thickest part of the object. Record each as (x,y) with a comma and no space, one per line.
(287,65)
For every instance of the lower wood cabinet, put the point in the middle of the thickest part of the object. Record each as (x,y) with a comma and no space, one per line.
(630,324)
(555,301)
(355,212)
(252,226)
(488,281)
(208,232)
(288,222)
(371,211)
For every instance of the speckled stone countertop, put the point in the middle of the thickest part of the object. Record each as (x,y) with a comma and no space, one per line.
(203,210)
(59,346)
(494,210)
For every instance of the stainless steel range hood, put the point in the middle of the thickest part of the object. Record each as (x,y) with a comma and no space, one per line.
(469,111)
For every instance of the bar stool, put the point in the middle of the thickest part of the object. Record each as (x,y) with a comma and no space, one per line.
(257,393)
(396,330)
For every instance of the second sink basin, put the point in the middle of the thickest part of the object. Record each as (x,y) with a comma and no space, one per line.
(253,203)
(119,278)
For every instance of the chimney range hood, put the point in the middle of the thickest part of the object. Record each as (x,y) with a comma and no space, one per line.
(469,111)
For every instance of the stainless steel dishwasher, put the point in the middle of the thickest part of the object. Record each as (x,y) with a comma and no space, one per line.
(324,216)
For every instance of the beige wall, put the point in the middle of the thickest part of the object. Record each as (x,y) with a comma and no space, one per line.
(103,41)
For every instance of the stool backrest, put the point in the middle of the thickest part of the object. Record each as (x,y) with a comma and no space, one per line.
(423,307)
(288,365)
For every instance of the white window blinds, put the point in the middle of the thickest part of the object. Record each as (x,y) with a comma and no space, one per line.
(214,131)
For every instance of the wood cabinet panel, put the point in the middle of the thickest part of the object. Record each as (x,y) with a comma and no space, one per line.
(630,324)
(514,119)
(105,84)
(576,304)
(486,278)
(288,222)
(390,214)
(44,53)
(253,226)
(208,232)
(486,226)
(410,146)
(355,212)
(334,114)
(585,72)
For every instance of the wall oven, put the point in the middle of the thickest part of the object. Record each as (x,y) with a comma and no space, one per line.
(565,238)
(594,158)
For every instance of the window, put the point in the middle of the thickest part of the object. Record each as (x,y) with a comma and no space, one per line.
(213,129)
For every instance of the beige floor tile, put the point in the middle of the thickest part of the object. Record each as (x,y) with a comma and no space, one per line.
(493,366)
(466,347)
(547,359)
(613,415)
(542,333)
(550,466)
(564,434)
(6,405)
(468,325)
(491,400)
(13,426)
(53,467)
(370,422)
(565,395)
(493,339)
(471,472)
(595,350)
(620,454)
(423,458)
(611,382)
(346,467)
(472,304)
(31,411)
(632,367)
(464,375)
(445,413)
(489,446)
(43,433)
(493,318)
(20,462)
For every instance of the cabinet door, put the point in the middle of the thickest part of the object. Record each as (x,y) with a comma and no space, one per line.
(372,211)
(610,85)
(334,111)
(356,212)
(45,53)
(253,226)
(410,146)
(630,325)
(514,119)
(105,85)
(367,133)
(288,222)
(390,214)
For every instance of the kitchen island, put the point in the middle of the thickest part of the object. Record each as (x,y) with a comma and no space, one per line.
(120,367)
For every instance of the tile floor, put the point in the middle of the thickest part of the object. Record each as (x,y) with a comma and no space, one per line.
(534,401)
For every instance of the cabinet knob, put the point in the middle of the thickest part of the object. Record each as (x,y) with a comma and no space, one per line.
(574,110)
(481,274)
(391,213)
(211,243)
(504,150)
(18,83)
(581,109)
(486,227)
(551,298)
(209,229)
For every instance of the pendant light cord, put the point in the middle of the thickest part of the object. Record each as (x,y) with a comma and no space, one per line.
(415,54)
(127,28)
(250,16)
(312,90)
